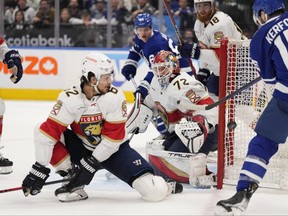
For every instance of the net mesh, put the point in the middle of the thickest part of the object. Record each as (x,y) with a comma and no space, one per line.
(244,109)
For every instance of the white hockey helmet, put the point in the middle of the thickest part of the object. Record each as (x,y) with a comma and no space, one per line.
(202,1)
(98,64)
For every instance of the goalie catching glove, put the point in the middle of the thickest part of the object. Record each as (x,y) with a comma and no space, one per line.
(193,133)
(139,117)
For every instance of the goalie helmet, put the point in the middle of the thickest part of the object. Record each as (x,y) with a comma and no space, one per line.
(143,20)
(165,65)
(96,64)
(267,6)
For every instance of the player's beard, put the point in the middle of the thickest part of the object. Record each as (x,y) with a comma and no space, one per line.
(204,18)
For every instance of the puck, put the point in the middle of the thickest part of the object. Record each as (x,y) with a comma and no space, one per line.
(231,125)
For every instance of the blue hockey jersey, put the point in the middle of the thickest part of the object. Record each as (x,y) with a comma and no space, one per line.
(158,41)
(269,48)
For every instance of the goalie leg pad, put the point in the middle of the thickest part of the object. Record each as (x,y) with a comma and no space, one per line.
(139,117)
(152,188)
(197,175)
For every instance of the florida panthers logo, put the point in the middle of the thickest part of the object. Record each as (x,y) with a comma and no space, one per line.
(92,125)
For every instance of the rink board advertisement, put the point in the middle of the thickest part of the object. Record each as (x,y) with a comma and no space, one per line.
(48,71)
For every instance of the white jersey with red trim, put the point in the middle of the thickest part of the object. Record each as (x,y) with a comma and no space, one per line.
(3,48)
(99,121)
(183,87)
(220,25)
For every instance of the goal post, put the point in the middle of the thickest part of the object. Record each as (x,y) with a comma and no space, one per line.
(243,111)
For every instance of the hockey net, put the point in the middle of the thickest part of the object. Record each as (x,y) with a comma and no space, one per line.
(236,70)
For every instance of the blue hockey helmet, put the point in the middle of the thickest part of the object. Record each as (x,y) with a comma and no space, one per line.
(268,6)
(143,20)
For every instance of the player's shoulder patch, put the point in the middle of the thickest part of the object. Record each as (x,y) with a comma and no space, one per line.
(56,107)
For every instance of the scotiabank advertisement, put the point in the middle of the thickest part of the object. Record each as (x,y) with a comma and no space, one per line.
(48,71)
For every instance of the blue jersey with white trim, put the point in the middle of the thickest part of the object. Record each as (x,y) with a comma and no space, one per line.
(269,48)
(158,41)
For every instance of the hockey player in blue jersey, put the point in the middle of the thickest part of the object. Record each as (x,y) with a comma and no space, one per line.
(148,42)
(268,49)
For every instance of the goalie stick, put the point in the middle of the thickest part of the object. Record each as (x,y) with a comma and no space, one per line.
(191,106)
(46,183)
(180,39)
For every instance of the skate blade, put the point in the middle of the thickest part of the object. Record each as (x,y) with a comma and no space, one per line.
(221,211)
(74,196)
(6,170)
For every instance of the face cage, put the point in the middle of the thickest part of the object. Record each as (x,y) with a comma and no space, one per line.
(164,79)
(112,76)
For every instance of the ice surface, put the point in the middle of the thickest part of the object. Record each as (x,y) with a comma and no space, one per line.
(106,196)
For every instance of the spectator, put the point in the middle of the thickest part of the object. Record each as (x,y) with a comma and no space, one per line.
(189,35)
(33,4)
(65,16)
(142,6)
(44,16)
(20,22)
(99,9)
(74,9)
(29,12)
(186,16)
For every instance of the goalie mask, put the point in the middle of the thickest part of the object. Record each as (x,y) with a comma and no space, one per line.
(96,64)
(165,66)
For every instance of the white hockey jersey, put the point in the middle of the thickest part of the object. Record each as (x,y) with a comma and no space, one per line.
(97,122)
(220,25)
(183,87)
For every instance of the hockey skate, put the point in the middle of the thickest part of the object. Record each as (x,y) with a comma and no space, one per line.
(174,186)
(5,165)
(68,194)
(237,204)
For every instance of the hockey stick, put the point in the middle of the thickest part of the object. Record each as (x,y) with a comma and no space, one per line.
(222,100)
(180,39)
(46,183)
(133,81)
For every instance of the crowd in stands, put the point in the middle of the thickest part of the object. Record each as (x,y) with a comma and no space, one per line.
(92,14)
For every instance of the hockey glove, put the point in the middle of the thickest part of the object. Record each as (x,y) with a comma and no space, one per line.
(203,75)
(193,133)
(189,50)
(129,69)
(12,58)
(84,172)
(143,89)
(159,124)
(35,180)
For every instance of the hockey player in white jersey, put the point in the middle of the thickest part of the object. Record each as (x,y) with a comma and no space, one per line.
(96,112)
(12,59)
(210,27)
(188,128)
